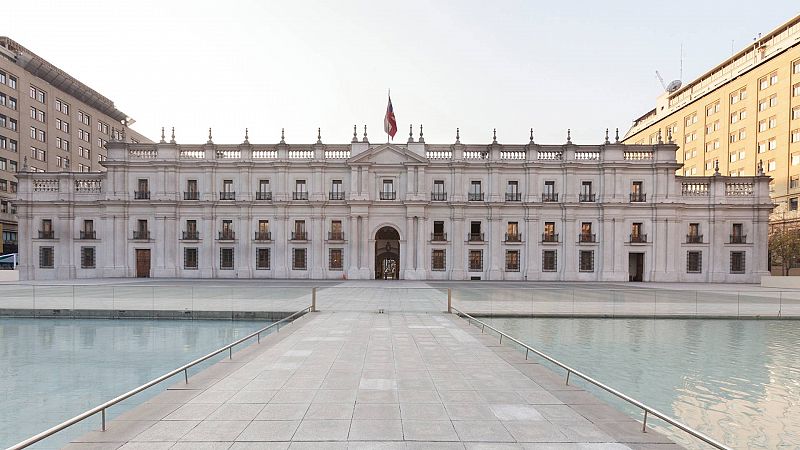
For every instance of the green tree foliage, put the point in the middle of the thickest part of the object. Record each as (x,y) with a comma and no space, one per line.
(784,246)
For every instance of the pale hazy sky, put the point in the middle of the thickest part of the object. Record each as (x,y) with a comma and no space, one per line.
(477,65)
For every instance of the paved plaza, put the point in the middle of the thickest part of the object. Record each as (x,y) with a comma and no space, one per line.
(356,379)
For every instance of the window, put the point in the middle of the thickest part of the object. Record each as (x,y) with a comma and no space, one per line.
(388,186)
(191,190)
(475,234)
(262,259)
(190,258)
(299,233)
(39,154)
(796,90)
(475,191)
(438,259)
(438,231)
(773,122)
(773,101)
(337,193)
(512,260)
(512,232)
(771,165)
(12,81)
(796,113)
(12,124)
(227,186)
(512,191)
(87,258)
(549,194)
(796,159)
(796,67)
(694,262)
(794,182)
(37,94)
(712,127)
(793,204)
(796,135)
(737,262)
(690,120)
(690,137)
(102,127)
(84,118)
(549,234)
(46,258)
(263,234)
(226,258)
(586,261)
(263,187)
(637,191)
(299,259)
(62,106)
(549,261)
(300,192)
(3,163)
(476,260)
(3,142)
(82,134)
(438,193)
(772,144)
(335,259)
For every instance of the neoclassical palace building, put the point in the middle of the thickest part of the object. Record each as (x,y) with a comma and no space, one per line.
(609,212)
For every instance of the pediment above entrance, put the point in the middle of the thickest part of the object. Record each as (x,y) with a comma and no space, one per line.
(389,154)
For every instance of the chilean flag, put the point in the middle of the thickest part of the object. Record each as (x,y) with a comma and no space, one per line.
(389,122)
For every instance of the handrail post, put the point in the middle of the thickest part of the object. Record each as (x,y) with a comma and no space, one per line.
(186,376)
(449,300)
(644,422)
(314,299)
(103,419)
(259,338)
(568,372)
(230,352)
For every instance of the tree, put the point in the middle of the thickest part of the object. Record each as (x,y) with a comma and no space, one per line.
(784,246)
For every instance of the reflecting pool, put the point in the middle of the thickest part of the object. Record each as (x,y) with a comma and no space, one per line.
(54,369)
(735,380)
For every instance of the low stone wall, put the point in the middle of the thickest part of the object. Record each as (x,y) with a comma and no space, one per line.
(790,282)
(9,275)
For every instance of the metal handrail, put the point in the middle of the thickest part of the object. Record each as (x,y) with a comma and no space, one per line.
(184,368)
(570,371)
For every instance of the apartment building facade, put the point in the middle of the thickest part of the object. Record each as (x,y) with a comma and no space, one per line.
(608,212)
(743,112)
(49,122)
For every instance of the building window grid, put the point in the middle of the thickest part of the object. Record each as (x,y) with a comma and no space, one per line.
(586,261)
(737,262)
(438,259)
(694,262)
(263,259)
(335,259)
(190,258)
(226,258)
(87,258)
(549,260)
(46,257)
(299,261)
(512,261)
(476,260)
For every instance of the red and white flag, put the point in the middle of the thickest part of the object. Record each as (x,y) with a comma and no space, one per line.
(389,122)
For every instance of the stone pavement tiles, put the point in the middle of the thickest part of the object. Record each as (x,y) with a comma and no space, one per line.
(368,380)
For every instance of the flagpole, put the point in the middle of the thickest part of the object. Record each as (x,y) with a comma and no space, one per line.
(390,99)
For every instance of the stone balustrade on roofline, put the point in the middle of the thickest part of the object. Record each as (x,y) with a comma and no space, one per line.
(435,153)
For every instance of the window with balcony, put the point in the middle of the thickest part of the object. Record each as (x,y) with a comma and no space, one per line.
(438,234)
(191,233)
(192,192)
(337,193)
(262,259)
(263,233)
(512,192)
(88,230)
(87,258)
(476,260)
(46,232)
(141,232)
(475,192)
(299,233)
(694,236)
(387,192)
(512,232)
(637,236)
(637,191)
(227,233)
(737,234)
(335,259)
(475,234)
(512,260)
(737,262)
(438,194)
(298,259)
(586,192)
(143,192)
(438,259)
(264,192)
(336,233)
(549,194)
(226,260)
(227,191)
(190,258)
(549,261)
(549,234)
(46,257)
(694,262)
(586,261)
(300,192)
(586,234)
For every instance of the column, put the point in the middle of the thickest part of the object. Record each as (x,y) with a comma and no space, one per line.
(495,248)
(354,240)
(408,257)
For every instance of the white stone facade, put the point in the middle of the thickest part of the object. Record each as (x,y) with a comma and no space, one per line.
(608,212)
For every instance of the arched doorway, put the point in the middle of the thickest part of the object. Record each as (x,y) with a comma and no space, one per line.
(387,254)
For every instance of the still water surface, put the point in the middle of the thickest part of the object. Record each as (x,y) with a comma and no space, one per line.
(735,380)
(54,369)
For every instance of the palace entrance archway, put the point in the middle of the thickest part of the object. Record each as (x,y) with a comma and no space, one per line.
(387,254)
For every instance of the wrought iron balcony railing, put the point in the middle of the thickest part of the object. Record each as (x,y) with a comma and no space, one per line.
(299,236)
(227,235)
(586,198)
(550,197)
(587,237)
(336,195)
(141,235)
(475,196)
(439,237)
(549,237)
(336,235)
(88,234)
(191,195)
(694,238)
(513,196)
(387,195)
(638,238)
(513,237)
(300,195)
(638,197)
(141,195)
(475,237)
(438,196)
(738,239)
(262,236)
(230,195)
(47,234)
(190,236)
(263,195)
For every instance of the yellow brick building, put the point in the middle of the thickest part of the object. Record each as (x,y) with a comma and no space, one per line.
(744,111)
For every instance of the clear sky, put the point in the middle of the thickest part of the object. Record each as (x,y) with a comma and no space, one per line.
(477,65)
